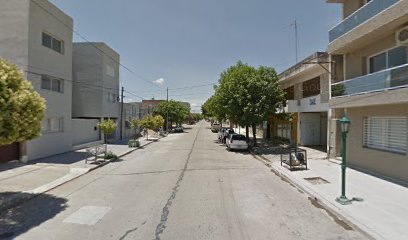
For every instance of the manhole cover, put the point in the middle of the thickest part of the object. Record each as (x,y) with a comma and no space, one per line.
(316,180)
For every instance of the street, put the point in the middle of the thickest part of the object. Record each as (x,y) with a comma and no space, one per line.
(186,186)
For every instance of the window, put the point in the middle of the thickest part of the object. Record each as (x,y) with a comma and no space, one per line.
(52,84)
(284,131)
(52,43)
(388,59)
(52,125)
(386,133)
(45,82)
(110,71)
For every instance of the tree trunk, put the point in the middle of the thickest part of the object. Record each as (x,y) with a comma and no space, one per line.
(254,133)
(247,132)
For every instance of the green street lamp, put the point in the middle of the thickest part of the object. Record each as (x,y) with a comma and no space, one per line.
(345,127)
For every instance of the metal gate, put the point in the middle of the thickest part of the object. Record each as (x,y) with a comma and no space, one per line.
(9,152)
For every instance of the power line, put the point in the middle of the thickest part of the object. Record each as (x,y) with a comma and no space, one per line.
(92,44)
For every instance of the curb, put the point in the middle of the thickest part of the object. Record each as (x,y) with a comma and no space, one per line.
(22,197)
(328,206)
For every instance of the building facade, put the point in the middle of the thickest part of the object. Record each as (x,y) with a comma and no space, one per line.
(95,93)
(370,83)
(131,110)
(307,91)
(37,37)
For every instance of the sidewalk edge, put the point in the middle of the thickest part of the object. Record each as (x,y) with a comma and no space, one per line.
(16,199)
(357,225)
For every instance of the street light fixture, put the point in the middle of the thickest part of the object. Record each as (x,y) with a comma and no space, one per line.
(345,127)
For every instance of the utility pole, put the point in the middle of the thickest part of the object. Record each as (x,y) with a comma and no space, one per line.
(121,113)
(296,40)
(167,114)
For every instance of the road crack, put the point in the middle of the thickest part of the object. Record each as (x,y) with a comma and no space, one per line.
(166,209)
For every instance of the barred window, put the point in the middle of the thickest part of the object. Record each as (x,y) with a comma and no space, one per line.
(386,133)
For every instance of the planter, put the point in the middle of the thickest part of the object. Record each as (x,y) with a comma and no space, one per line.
(133,143)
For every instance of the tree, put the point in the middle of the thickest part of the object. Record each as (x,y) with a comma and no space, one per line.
(21,108)
(175,110)
(107,127)
(134,124)
(158,122)
(148,122)
(246,96)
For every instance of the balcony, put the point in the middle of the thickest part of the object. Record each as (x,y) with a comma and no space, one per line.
(309,104)
(363,14)
(390,78)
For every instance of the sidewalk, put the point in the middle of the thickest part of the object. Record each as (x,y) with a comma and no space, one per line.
(19,181)
(383,213)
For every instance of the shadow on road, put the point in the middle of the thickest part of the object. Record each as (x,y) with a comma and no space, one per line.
(20,219)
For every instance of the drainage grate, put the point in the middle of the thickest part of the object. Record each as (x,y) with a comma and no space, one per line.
(316,180)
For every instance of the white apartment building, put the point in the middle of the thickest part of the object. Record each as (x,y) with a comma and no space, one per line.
(37,36)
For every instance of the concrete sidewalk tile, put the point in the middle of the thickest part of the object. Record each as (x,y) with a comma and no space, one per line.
(383,213)
(22,182)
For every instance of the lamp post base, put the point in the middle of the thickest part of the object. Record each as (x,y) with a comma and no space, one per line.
(343,200)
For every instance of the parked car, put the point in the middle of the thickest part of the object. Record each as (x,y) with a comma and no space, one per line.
(237,142)
(215,127)
(178,129)
(227,134)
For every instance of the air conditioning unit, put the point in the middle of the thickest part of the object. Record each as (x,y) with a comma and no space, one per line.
(401,36)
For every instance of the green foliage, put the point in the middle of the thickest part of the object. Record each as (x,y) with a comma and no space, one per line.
(148,122)
(110,155)
(176,111)
(21,108)
(134,123)
(246,95)
(107,127)
(158,122)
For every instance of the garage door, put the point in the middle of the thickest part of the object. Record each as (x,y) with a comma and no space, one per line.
(9,152)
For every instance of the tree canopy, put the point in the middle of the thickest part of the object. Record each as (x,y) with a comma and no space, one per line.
(107,127)
(246,95)
(21,108)
(176,111)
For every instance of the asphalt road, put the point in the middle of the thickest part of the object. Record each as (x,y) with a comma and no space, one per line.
(186,186)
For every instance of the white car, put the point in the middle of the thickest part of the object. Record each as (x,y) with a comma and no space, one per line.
(237,142)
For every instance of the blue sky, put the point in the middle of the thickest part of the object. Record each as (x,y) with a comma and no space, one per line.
(190,42)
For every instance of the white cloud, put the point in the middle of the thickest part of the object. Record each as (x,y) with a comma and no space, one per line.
(159,81)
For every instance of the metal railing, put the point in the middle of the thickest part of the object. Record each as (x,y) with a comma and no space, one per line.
(363,14)
(390,78)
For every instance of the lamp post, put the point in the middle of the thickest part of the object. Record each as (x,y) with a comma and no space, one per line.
(345,127)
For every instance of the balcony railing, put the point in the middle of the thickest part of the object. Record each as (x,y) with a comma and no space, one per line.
(387,79)
(366,12)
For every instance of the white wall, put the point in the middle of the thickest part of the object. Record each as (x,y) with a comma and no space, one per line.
(47,61)
(84,131)
(21,25)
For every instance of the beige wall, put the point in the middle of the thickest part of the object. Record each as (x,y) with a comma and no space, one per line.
(356,62)
(349,7)
(385,163)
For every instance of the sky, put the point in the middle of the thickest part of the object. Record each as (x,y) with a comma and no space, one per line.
(185,44)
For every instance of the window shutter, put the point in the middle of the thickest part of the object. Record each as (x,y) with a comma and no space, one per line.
(386,133)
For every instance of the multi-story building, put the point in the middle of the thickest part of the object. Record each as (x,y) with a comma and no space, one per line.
(307,91)
(37,36)
(369,83)
(131,110)
(95,93)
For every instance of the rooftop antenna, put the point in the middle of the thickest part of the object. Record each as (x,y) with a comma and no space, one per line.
(296,39)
